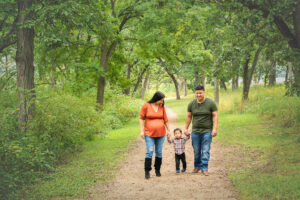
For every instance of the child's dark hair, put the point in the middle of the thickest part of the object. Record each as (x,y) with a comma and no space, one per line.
(156,97)
(177,129)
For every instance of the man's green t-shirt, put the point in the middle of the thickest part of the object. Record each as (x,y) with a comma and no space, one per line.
(202,115)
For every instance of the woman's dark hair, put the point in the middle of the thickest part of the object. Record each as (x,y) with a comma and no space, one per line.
(156,97)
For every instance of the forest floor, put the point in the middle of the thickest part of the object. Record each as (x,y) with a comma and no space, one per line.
(130,182)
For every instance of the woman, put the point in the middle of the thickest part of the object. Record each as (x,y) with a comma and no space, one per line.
(154,130)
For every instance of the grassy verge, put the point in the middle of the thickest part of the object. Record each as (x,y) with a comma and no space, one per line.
(266,165)
(264,136)
(97,162)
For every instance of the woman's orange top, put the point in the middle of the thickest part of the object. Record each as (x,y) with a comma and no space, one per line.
(154,121)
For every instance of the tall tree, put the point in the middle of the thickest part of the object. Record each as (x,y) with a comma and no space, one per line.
(24,61)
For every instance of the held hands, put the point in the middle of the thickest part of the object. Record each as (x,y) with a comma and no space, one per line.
(186,132)
(168,134)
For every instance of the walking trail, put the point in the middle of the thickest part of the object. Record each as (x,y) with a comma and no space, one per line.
(130,182)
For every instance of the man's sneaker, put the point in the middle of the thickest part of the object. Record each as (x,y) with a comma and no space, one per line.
(183,170)
(205,172)
(196,170)
(177,171)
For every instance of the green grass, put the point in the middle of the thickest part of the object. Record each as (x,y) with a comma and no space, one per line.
(268,157)
(263,132)
(264,135)
(97,162)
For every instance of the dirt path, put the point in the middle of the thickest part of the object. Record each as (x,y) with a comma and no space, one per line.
(131,184)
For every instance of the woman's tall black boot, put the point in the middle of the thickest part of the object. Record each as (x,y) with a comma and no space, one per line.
(157,165)
(148,168)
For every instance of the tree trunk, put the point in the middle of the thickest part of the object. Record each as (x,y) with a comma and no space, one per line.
(286,77)
(53,78)
(139,80)
(272,76)
(145,86)
(184,87)
(129,67)
(296,61)
(216,81)
(197,78)
(237,81)
(24,63)
(247,75)
(174,81)
(203,80)
(290,70)
(105,55)
(216,90)
(246,87)
(223,84)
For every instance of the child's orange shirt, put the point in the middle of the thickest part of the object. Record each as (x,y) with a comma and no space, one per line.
(154,121)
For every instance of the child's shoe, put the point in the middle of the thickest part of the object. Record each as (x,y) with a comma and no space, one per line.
(183,170)
(177,171)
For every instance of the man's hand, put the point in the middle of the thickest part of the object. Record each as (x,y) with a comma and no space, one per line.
(186,132)
(214,133)
(142,135)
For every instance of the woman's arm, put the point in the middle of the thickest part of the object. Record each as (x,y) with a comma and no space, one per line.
(168,129)
(142,128)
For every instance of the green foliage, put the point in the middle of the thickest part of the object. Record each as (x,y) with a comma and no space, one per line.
(272,102)
(61,125)
(63,121)
(118,109)
(98,162)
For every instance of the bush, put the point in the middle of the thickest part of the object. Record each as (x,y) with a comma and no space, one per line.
(61,124)
(273,102)
(118,110)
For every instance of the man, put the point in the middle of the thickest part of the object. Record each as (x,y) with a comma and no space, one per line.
(204,113)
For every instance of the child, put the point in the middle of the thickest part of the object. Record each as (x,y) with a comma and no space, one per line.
(179,146)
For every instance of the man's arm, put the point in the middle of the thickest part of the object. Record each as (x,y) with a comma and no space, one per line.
(188,120)
(215,119)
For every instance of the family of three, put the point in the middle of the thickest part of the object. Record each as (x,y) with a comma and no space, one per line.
(203,114)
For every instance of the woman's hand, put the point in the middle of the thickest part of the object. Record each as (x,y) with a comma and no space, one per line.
(142,135)
(168,134)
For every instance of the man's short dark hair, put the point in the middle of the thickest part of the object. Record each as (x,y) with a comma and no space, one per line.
(200,87)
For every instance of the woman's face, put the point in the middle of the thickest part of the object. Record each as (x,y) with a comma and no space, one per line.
(160,101)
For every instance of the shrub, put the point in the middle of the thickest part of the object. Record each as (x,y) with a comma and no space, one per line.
(61,124)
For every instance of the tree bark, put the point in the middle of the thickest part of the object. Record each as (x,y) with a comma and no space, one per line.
(290,70)
(105,55)
(145,86)
(184,87)
(203,80)
(174,81)
(216,90)
(247,75)
(197,78)
(223,84)
(53,77)
(139,80)
(24,63)
(129,67)
(272,76)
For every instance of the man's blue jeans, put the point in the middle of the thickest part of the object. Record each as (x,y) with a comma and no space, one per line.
(154,143)
(201,144)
